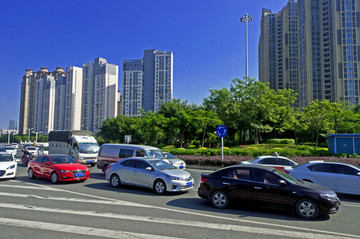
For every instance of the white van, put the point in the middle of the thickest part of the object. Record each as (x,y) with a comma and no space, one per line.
(111,153)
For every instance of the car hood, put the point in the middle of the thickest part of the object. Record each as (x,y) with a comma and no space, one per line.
(177,173)
(71,166)
(315,187)
(176,160)
(5,165)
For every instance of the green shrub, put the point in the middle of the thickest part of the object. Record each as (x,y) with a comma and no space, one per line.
(280,141)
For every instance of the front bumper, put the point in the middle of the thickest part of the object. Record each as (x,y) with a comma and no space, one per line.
(329,206)
(179,186)
(71,176)
(88,161)
(10,173)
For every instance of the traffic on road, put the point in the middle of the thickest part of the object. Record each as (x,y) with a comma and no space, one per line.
(254,200)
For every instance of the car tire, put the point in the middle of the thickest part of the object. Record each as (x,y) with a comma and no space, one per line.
(159,186)
(54,178)
(31,173)
(115,181)
(307,209)
(92,165)
(219,199)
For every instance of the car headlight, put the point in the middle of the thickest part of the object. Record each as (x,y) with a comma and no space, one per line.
(173,178)
(10,167)
(65,171)
(328,196)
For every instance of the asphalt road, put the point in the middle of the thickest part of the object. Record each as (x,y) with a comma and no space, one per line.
(35,208)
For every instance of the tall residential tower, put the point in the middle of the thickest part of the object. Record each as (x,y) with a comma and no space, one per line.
(147,83)
(312,47)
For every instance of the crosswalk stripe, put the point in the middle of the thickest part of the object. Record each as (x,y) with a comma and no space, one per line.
(179,222)
(130,204)
(27,187)
(89,231)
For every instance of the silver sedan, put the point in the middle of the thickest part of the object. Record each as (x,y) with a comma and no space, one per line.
(150,173)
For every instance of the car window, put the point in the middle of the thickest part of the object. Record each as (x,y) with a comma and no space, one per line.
(323,168)
(268,161)
(285,162)
(40,159)
(263,176)
(140,153)
(128,163)
(126,153)
(46,159)
(142,165)
(169,156)
(239,173)
(343,169)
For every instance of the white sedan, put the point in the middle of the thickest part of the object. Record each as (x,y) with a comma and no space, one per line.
(342,178)
(10,149)
(171,159)
(8,165)
(278,162)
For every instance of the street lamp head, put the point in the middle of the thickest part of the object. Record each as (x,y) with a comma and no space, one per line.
(246,18)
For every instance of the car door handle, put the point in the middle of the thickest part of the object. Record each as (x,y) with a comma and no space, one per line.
(258,187)
(226,183)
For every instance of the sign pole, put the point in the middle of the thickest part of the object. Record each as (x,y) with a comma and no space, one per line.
(222,152)
(221,131)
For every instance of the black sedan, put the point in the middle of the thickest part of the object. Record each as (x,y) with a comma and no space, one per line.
(267,186)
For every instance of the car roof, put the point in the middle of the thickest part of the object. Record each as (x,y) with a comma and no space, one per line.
(270,156)
(327,162)
(248,166)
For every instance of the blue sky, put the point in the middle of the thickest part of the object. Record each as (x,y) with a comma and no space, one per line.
(206,38)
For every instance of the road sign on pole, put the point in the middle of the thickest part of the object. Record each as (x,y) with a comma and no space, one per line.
(221,131)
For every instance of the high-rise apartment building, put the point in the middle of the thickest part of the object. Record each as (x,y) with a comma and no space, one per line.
(28,93)
(312,47)
(147,83)
(59,110)
(99,97)
(44,104)
(13,125)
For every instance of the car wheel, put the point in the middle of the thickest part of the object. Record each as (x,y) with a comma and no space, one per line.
(92,165)
(160,186)
(115,181)
(54,178)
(219,199)
(31,173)
(307,208)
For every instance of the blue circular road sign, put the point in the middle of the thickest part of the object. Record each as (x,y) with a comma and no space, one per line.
(221,131)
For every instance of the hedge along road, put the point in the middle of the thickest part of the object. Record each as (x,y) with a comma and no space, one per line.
(93,208)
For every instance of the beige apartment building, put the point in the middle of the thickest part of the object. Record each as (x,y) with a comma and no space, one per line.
(312,47)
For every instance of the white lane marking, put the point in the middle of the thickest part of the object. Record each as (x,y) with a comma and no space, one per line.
(178,222)
(89,231)
(130,204)
(27,187)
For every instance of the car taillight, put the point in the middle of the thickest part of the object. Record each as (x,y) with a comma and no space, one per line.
(203,180)
(108,167)
(285,171)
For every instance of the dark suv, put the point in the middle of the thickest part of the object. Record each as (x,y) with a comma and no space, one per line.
(267,186)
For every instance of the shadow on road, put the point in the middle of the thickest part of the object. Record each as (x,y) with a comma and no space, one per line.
(242,211)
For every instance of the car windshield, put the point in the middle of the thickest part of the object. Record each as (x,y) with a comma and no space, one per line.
(89,148)
(253,160)
(155,153)
(161,165)
(9,148)
(6,158)
(62,159)
(284,175)
(169,156)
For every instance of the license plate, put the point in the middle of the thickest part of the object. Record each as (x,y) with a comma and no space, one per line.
(188,184)
(90,161)
(181,166)
(79,175)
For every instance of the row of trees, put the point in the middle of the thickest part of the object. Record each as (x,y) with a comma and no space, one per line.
(247,108)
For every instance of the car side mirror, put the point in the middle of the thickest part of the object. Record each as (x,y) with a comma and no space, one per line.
(47,163)
(282,182)
(358,174)
(149,169)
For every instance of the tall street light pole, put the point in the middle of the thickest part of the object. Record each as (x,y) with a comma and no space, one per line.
(246,19)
